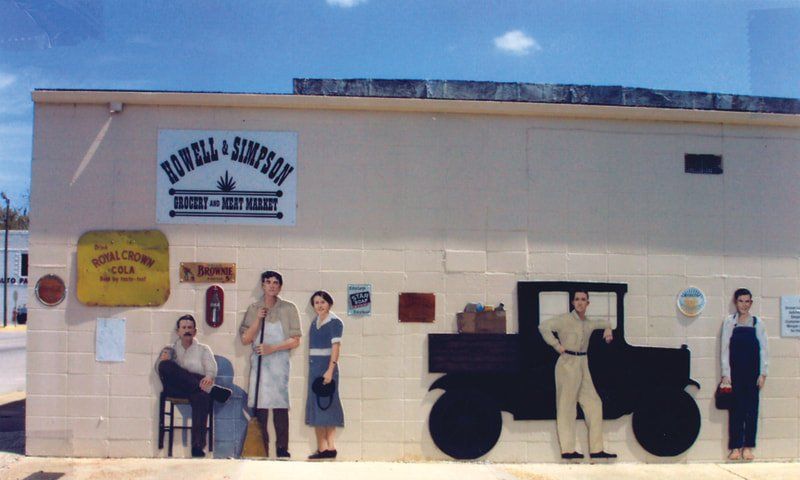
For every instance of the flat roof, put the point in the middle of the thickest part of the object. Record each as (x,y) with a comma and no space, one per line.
(471,98)
(544,93)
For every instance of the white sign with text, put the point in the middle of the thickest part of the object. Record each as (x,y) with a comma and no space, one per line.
(232,177)
(790,316)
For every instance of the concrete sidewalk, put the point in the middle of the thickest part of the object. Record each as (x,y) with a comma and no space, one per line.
(17,467)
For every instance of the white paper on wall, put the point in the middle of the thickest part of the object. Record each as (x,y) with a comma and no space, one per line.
(110,340)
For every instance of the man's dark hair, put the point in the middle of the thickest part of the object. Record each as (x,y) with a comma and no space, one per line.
(271,274)
(739,292)
(185,317)
(579,291)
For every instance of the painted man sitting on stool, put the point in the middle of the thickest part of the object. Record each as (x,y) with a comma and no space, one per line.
(573,380)
(187,369)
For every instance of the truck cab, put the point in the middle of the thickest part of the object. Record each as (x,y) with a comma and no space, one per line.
(489,373)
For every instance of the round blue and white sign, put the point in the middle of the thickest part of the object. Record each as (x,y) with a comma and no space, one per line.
(691,301)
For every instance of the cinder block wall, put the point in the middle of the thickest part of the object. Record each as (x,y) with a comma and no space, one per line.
(456,204)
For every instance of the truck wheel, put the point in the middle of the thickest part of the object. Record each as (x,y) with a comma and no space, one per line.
(667,424)
(465,424)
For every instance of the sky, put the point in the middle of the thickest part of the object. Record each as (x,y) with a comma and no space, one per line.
(747,47)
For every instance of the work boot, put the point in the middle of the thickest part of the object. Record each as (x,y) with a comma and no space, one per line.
(220,394)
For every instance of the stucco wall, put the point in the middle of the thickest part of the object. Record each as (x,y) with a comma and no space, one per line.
(456,204)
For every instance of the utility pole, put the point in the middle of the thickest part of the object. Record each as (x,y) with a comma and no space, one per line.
(5,264)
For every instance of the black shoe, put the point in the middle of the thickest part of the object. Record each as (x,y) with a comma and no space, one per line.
(329,454)
(571,456)
(220,394)
(317,455)
(198,452)
(282,453)
(602,454)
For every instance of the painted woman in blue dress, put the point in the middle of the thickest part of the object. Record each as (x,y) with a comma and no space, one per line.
(324,347)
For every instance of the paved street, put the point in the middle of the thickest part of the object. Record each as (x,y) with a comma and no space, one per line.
(12,360)
(12,389)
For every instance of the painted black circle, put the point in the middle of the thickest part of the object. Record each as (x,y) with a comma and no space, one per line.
(465,424)
(667,424)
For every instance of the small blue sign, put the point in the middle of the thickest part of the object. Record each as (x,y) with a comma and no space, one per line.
(359,299)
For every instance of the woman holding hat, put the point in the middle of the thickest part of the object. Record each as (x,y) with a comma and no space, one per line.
(324,413)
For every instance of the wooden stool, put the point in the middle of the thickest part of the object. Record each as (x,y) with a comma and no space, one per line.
(162,428)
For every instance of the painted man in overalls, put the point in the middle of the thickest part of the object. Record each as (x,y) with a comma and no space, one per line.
(282,332)
(573,379)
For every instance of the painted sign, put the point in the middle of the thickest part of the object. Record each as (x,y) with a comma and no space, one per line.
(359,299)
(417,307)
(790,316)
(691,301)
(50,290)
(232,177)
(195,272)
(215,306)
(123,268)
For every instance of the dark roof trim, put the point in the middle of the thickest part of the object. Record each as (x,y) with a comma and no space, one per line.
(544,93)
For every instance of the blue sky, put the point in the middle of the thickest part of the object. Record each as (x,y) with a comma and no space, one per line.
(260,46)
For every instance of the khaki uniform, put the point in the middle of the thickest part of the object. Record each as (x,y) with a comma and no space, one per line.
(573,380)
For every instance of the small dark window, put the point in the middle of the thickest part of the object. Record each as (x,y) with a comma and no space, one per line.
(23,265)
(702,163)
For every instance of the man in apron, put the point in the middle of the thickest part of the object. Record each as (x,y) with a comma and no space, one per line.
(573,379)
(282,332)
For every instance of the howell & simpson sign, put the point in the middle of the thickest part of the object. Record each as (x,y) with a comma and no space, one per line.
(233,177)
(123,268)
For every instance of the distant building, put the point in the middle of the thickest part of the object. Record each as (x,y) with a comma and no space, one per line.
(17,276)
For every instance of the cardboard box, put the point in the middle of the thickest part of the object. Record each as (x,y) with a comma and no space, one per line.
(481,322)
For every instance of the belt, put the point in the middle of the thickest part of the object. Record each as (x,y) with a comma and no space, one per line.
(577,354)
(318,352)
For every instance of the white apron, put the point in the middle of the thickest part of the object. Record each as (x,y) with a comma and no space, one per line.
(273,390)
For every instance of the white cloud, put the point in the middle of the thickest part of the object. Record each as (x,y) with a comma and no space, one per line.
(6,79)
(517,43)
(344,3)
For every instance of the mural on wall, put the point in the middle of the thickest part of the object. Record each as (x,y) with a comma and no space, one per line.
(231,177)
(123,268)
(489,373)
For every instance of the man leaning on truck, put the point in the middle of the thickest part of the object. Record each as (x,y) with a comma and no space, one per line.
(573,379)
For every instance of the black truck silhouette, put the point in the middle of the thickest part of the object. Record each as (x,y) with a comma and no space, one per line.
(490,373)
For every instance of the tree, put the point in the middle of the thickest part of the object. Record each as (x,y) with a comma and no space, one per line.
(18,218)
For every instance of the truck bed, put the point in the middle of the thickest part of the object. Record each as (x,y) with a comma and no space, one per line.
(473,353)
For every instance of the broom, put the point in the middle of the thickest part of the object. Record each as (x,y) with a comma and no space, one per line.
(253,446)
